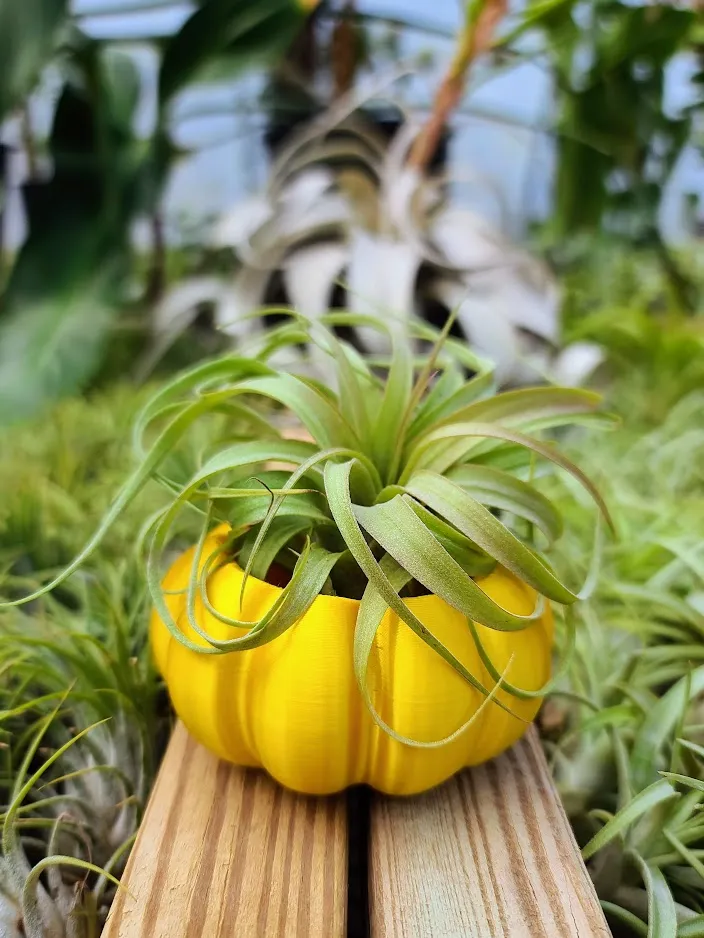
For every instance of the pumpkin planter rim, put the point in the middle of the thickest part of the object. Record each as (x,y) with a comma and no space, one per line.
(411,601)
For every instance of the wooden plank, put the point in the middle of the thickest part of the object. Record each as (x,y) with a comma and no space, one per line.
(490,854)
(225,852)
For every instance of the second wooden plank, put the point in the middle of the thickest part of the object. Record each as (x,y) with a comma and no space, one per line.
(490,854)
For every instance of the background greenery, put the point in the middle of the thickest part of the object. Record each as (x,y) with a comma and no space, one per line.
(76,314)
(77,297)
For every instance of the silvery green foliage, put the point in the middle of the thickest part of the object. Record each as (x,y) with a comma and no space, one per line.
(46,914)
(10,911)
(92,816)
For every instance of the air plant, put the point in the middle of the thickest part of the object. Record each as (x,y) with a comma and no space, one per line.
(71,800)
(625,730)
(646,849)
(342,223)
(76,686)
(349,220)
(395,495)
(72,818)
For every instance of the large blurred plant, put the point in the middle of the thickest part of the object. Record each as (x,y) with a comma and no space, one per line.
(351,220)
(69,282)
(345,221)
(617,144)
(64,289)
(29,35)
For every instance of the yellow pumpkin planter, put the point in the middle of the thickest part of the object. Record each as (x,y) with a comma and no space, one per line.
(293,705)
(412,633)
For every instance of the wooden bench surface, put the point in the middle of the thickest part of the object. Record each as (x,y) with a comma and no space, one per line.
(490,854)
(225,852)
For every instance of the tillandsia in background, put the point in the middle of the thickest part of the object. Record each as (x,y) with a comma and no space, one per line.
(625,729)
(79,728)
(74,660)
(344,221)
(360,211)
(372,603)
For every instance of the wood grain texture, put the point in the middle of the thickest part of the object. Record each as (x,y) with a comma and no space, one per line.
(225,852)
(490,854)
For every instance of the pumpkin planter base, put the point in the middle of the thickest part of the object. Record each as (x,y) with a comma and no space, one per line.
(224,852)
(293,705)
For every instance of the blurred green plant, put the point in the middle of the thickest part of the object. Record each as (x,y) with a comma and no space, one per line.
(617,144)
(58,474)
(82,716)
(81,719)
(69,284)
(664,358)
(65,288)
(625,730)
(653,355)
(29,35)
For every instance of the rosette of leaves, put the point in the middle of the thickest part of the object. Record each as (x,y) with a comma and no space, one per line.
(344,220)
(80,729)
(414,479)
